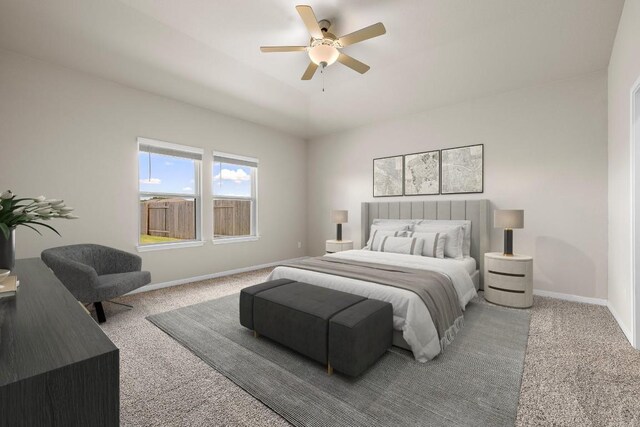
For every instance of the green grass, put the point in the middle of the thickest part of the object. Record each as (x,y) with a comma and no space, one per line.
(146,239)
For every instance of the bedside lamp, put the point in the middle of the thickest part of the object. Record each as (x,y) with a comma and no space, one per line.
(339,218)
(508,219)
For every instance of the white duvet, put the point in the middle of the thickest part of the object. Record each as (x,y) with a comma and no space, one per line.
(410,314)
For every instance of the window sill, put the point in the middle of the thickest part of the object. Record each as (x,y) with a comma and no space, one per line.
(227,240)
(164,246)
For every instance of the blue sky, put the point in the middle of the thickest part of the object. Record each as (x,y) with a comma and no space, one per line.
(231,180)
(168,174)
(176,175)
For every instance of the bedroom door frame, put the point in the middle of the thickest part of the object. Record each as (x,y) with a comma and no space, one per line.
(635,213)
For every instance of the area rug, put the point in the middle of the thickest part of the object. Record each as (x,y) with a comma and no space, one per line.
(475,382)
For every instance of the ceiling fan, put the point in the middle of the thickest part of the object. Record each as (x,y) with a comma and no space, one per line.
(323,46)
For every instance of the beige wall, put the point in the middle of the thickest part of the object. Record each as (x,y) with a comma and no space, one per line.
(624,71)
(67,135)
(545,152)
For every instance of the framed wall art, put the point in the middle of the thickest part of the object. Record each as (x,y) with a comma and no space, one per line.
(387,176)
(462,169)
(422,173)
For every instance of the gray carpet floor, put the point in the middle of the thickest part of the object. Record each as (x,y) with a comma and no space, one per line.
(579,368)
(475,382)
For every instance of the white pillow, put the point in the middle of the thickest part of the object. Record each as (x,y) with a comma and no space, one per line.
(466,229)
(396,222)
(378,235)
(385,227)
(433,243)
(454,238)
(401,245)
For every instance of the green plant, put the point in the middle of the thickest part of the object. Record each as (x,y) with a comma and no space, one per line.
(29,212)
(146,239)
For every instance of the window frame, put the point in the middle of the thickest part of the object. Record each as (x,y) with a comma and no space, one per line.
(255,235)
(197,196)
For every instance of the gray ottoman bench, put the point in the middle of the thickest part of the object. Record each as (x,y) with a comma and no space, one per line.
(346,332)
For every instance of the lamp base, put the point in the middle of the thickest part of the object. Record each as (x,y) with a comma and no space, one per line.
(339,232)
(508,242)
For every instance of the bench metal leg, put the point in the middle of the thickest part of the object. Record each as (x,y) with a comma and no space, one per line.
(99,312)
(255,334)
(329,369)
(120,303)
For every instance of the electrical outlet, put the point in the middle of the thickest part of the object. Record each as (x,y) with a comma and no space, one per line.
(299,245)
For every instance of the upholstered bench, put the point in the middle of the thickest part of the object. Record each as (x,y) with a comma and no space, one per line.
(346,332)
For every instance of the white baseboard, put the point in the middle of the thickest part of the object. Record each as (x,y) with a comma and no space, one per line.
(540,292)
(626,331)
(570,297)
(178,282)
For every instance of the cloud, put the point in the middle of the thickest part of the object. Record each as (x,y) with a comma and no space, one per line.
(187,189)
(168,163)
(237,176)
(236,195)
(153,181)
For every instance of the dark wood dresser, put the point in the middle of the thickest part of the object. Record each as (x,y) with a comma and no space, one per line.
(57,367)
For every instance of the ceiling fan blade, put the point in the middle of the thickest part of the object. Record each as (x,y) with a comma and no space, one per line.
(310,21)
(354,64)
(310,71)
(267,49)
(366,33)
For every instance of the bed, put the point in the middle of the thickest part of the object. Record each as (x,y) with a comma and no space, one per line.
(413,327)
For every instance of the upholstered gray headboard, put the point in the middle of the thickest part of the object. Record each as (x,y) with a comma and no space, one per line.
(477,211)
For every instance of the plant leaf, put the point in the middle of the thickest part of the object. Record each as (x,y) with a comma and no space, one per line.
(5,230)
(33,228)
(44,225)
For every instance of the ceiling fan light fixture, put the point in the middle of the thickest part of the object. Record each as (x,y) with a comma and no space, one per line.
(324,47)
(323,54)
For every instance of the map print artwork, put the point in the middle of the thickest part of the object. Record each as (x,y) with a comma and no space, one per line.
(422,173)
(387,176)
(462,170)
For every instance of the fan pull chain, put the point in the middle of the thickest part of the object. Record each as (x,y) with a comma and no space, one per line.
(322,72)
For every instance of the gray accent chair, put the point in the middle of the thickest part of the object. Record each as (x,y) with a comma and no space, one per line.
(95,273)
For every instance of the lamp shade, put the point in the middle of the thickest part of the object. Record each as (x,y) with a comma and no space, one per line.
(339,217)
(508,218)
(323,53)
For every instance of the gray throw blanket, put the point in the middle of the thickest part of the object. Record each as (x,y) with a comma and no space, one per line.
(434,288)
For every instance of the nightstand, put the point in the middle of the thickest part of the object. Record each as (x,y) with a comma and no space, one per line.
(338,246)
(508,280)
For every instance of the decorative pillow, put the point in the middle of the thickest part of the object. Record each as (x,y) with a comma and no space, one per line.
(378,235)
(466,229)
(401,245)
(385,227)
(396,222)
(433,243)
(454,238)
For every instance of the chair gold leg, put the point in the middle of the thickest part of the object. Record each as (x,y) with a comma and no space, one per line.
(255,334)
(329,369)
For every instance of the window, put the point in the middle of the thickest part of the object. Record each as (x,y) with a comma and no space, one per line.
(169,193)
(234,197)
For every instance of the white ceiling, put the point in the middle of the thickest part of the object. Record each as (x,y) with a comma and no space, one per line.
(435,52)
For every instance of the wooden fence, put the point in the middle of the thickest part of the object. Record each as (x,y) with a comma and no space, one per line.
(231,217)
(168,218)
(175,218)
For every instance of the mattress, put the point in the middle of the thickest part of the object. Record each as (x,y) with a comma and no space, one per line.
(410,315)
(468,263)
